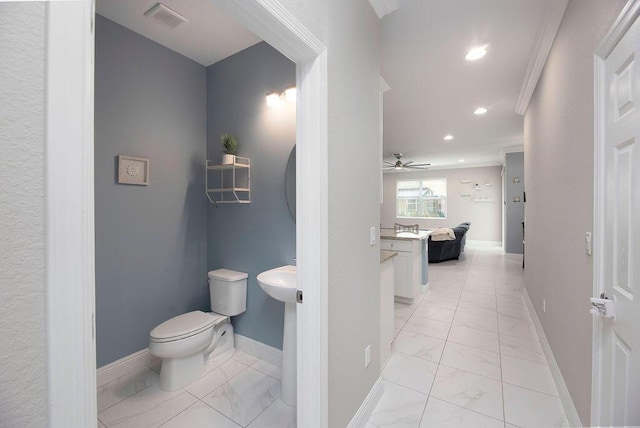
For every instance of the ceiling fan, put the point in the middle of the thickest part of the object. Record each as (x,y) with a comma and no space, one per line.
(401,165)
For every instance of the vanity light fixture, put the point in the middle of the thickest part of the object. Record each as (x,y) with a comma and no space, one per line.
(290,93)
(448,137)
(274,98)
(480,111)
(476,53)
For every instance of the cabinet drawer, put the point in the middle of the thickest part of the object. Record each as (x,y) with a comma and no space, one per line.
(396,245)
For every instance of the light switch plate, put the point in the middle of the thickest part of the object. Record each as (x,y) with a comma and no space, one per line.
(372,236)
(588,243)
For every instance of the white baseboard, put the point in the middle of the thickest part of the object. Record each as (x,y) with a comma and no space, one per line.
(425,288)
(363,414)
(563,391)
(258,349)
(141,359)
(125,365)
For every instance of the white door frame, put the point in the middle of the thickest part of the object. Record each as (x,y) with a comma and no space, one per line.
(69,216)
(70,282)
(627,17)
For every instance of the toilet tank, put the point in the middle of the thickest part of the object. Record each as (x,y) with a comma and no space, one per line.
(228,291)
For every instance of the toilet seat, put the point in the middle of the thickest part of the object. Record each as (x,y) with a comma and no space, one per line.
(184,326)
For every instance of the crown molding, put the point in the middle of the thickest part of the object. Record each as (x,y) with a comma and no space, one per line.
(384,7)
(625,20)
(273,23)
(546,34)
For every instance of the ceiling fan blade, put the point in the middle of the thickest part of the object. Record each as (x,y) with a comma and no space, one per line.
(407,163)
(419,164)
(390,163)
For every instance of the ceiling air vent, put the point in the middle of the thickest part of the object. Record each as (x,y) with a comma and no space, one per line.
(165,16)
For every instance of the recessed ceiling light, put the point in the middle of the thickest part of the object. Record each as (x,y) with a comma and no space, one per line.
(480,110)
(460,160)
(448,137)
(476,53)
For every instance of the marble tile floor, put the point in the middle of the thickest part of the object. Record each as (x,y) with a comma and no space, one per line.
(467,354)
(238,390)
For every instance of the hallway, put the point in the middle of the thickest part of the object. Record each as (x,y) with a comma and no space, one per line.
(467,354)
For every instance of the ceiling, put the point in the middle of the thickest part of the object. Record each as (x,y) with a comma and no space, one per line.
(209,36)
(434,90)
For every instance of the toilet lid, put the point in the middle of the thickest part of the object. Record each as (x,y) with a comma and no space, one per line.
(185,325)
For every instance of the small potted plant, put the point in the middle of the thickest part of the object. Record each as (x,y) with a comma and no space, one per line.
(230,146)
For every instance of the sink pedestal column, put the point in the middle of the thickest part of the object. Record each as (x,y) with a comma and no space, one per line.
(280,283)
(289,349)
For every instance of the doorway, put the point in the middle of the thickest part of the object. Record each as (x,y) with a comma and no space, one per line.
(70,210)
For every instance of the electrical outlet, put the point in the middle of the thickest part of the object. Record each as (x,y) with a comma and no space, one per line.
(588,243)
(372,236)
(367,356)
(544,306)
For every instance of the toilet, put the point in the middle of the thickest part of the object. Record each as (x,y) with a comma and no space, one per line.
(187,341)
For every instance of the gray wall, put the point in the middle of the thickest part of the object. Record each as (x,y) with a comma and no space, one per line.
(354,205)
(261,235)
(150,240)
(485,217)
(559,176)
(514,211)
(350,31)
(23,374)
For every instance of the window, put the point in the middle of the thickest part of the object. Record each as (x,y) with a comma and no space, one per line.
(422,198)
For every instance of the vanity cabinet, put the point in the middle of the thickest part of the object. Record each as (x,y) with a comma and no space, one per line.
(407,267)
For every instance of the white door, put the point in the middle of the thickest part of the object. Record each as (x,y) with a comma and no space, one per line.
(618,229)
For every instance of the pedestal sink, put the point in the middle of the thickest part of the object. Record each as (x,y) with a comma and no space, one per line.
(281,284)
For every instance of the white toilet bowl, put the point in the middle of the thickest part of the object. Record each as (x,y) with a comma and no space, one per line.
(185,342)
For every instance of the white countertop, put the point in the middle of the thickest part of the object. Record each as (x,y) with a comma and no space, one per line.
(404,236)
(386,255)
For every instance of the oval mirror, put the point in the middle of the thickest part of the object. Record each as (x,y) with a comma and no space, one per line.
(290,183)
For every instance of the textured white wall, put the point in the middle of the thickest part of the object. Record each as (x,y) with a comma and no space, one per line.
(23,377)
(485,217)
(559,185)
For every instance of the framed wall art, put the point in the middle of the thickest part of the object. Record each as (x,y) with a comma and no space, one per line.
(133,170)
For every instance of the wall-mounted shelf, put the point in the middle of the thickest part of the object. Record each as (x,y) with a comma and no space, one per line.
(232,186)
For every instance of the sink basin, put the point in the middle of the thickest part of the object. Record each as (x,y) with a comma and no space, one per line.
(280,283)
